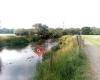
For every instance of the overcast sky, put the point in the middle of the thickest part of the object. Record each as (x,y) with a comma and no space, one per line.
(74,13)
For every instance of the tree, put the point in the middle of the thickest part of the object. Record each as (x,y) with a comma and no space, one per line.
(86,30)
(41,30)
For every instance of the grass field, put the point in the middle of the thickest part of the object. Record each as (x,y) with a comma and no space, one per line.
(68,63)
(95,39)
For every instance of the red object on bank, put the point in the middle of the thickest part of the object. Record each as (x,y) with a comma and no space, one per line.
(39,51)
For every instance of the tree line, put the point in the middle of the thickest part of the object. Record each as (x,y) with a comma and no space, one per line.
(44,32)
(4,31)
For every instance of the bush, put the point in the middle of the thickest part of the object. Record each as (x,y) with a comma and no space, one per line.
(70,66)
(35,38)
(15,41)
(68,63)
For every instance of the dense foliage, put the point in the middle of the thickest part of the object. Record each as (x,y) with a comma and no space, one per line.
(68,63)
(86,30)
(13,42)
(44,32)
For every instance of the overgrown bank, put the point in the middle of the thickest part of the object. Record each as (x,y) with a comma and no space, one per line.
(68,63)
(18,41)
(13,41)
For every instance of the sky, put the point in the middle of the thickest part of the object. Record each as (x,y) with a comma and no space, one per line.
(54,13)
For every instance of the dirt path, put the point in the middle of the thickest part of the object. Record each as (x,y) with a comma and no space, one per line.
(93,53)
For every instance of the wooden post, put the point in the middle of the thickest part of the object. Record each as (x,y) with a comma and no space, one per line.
(78,41)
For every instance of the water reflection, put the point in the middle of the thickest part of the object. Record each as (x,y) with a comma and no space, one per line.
(19,64)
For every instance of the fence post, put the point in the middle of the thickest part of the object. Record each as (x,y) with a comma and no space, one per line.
(78,41)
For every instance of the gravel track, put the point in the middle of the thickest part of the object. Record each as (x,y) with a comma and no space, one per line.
(93,53)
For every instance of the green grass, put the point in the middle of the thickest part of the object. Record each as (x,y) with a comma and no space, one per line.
(71,65)
(93,39)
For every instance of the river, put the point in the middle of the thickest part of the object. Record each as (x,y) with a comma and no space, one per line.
(20,64)
(4,35)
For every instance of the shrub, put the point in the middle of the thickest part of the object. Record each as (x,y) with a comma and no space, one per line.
(15,41)
(35,38)
(66,64)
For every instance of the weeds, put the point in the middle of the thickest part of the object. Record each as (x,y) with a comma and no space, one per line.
(68,64)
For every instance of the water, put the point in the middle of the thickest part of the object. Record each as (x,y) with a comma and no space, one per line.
(20,64)
(4,35)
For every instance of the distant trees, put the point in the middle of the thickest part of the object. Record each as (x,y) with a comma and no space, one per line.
(21,32)
(86,30)
(24,32)
(59,32)
(90,31)
(95,31)
(6,31)
(53,33)
(41,31)
(72,31)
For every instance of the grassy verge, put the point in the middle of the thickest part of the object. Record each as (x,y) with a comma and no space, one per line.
(93,38)
(68,63)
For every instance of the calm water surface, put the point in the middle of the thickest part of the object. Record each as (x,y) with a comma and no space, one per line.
(4,35)
(19,64)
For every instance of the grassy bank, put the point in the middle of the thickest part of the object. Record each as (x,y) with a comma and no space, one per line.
(13,41)
(68,63)
(95,39)
(18,41)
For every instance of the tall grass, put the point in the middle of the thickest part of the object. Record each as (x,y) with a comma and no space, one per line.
(68,63)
